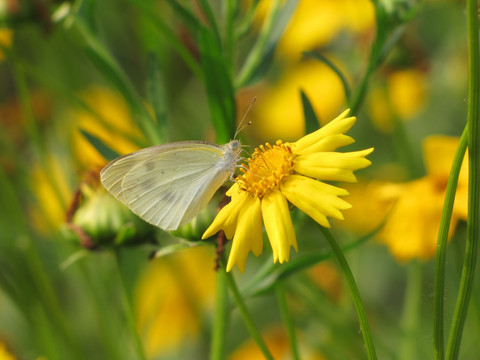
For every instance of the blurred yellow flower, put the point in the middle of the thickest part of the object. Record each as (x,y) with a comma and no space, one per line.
(279,112)
(282,173)
(413,209)
(4,353)
(316,22)
(6,38)
(403,98)
(277,344)
(51,190)
(109,120)
(172,296)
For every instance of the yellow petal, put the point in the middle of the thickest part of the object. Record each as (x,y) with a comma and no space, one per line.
(332,166)
(278,224)
(309,143)
(248,234)
(314,198)
(226,218)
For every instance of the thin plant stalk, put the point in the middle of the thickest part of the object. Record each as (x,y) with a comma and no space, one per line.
(255,56)
(362,316)
(439,282)
(411,311)
(217,351)
(473,226)
(287,319)
(128,308)
(247,319)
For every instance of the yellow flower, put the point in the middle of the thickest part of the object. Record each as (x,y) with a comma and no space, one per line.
(414,208)
(282,173)
(6,39)
(172,297)
(404,97)
(280,113)
(4,353)
(110,120)
(277,344)
(315,23)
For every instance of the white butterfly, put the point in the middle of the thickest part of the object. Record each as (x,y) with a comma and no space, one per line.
(168,185)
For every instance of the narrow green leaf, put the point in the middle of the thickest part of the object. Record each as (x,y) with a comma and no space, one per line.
(109,68)
(172,39)
(182,245)
(246,22)
(331,65)
(104,150)
(189,19)
(357,301)
(211,20)
(266,278)
(261,55)
(311,120)
(219,87)
(157,95)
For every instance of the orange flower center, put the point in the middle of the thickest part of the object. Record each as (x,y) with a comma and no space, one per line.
(266,168)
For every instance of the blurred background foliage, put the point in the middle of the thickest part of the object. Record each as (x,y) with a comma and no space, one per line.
(84,81)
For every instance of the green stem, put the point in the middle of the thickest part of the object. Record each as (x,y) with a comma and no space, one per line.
(230,9)
(221,317)
(473,230)
(439,282)
(211,20)
(287,318)
(411,311)
(128,308)
(247,319)
(255,56)
(362,316)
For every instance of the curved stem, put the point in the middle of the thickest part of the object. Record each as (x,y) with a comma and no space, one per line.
(473,226)
(362,316)
(287,318)
(439,282)
(247,319)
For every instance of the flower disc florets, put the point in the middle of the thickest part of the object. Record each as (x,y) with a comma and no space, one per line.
(266,168)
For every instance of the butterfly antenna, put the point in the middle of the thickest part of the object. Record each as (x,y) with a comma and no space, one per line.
(241,124)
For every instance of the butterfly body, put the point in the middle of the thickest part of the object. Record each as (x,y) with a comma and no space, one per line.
(168,185)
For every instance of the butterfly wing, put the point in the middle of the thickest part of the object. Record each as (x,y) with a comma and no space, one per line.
(167,185)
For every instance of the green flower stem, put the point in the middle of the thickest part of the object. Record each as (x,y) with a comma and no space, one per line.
(128,308)
(255,56)
(247,319)
(362,316)
(439,282)
(221,317)
(230,9)
(207,10)
(170,37)
(411,311)
(473,230)
(287,318)
(383,43)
